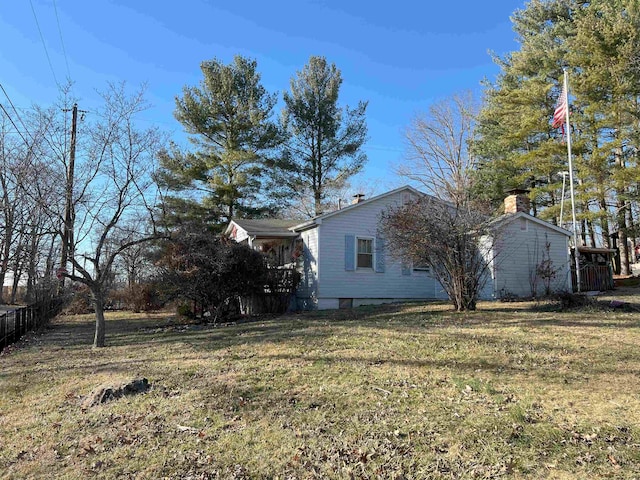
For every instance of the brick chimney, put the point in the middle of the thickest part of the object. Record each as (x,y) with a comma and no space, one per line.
(357,198)
(517,201)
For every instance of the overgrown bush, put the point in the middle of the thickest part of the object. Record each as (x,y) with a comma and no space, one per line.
(142,297)
(80,302)
(211,271)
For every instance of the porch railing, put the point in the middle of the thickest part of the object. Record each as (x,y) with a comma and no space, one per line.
(593,278)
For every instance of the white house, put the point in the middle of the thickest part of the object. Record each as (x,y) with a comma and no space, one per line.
(344,263)
(343,259)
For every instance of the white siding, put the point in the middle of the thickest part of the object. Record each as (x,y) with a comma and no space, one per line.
(240,234)
(519,250)
(488,280)
(307,292)
(365,285)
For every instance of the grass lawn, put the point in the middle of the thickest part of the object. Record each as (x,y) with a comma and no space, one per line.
(414,391)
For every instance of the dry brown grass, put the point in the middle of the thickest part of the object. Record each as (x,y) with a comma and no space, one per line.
(415,391)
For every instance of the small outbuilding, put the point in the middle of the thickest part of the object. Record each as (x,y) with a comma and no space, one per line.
(529,257)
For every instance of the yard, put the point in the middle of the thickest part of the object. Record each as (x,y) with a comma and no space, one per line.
(514,390)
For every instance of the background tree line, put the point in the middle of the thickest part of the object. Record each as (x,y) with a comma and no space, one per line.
(598,42)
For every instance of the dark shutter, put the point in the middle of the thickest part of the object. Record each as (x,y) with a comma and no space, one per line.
(349,252)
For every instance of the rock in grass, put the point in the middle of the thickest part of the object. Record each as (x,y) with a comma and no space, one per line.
(106,393)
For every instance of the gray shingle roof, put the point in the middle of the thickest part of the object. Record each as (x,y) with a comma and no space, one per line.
(266,226)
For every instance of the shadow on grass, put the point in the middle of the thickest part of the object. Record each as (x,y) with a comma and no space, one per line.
(468,347)
(74,332)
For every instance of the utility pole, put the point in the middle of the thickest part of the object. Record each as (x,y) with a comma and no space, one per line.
(69,214)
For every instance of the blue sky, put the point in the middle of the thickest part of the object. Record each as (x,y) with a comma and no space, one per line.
(400,56)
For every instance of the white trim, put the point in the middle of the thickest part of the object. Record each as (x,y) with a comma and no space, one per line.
(318,220)
(510,217)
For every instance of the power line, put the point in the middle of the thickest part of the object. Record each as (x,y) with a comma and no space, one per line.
(44,44)
(14,109)
(64,50)
(33,139)
(14,125)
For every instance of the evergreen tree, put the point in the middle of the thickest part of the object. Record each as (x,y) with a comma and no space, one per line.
(324,142)
(228,120)
(607,48)
(515,143)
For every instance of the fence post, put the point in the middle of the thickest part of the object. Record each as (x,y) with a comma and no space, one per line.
(3,331)
(15,335)
(17,324)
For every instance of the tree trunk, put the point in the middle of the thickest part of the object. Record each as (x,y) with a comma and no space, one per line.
(592,234)
(317,200)
(623,239)
(99,338)
(31,268)
(17,270)
(606,234)
(4,265)
(583,231)
(632,237)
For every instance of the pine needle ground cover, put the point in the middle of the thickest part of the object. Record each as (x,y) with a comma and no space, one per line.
(413,391)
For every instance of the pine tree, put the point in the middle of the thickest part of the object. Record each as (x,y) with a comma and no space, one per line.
(515,142)
(607,48)
(324,141)
(228,119)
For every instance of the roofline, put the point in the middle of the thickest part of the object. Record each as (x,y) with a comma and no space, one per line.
(273,235)
(318,219)
(227,230)
(282,234)
(509,217)
(586,249)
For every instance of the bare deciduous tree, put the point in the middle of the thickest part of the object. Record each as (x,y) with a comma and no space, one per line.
(446,230)
(113,195)
(22,226)
(455,243)
(438,154)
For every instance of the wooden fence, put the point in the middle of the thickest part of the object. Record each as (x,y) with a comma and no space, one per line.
(15,322)
(593,278)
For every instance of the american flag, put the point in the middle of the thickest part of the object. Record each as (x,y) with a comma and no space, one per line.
(560,113)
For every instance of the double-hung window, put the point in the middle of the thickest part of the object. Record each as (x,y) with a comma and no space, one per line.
(364,253)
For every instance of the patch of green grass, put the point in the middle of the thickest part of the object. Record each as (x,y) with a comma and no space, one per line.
(400,391)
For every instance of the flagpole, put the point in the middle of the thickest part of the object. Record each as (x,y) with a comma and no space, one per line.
(576,254)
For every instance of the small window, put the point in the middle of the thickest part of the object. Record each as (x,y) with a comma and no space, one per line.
(421,268)
(365,253)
